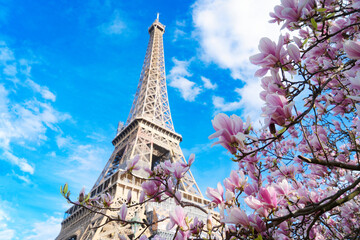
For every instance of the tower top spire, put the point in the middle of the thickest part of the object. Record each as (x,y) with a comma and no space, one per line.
(151,98)
(157,16)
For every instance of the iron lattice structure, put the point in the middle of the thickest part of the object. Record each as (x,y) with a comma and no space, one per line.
(149,133)
(151,98)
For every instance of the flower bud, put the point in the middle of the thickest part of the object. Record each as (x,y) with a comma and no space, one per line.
(209,223)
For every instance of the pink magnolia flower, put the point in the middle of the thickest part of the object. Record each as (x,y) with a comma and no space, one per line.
(235,182)
(297,41)
(277,109)
(257,223)
(271,55)
(251,189)
(131,165)
(215,195)
(150,188)
(253,203)
(142,197)
(191,159)
(230,131)
(128,199)
(272,84)
(237,216)
(355,81)
(167,166)
(282,187)
(107,199)
(196,226)
(148,171)
(228,185)
(258,206)
(123,212)
(81,197)
(182,235)
(352,49)
(268,197)
(179,170)
(294,52)
(286,171)
(86,199)
(289,10)
(229,197)
(177,218)
(178,197)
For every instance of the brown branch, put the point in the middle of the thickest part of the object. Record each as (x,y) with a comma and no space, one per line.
(189,204)
(334,202)
(330,163)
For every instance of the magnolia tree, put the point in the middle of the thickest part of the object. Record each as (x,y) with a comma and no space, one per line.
(298,176)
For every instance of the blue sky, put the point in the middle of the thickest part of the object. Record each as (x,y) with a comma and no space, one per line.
(68,74)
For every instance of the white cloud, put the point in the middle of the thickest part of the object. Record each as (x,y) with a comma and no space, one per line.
(197,148)
(179,32)
(25,67)
(23,121)
(115,26)
(7,62)
(46,230)
(20,162)
(26,121)
(44,91)
(229,31)
(5,53)
(84,163)
(25,179)
(208,84)
(98,136)
(63,141)
(220,104)
(5,232)
(248,101)
(3,215)
(10,70)
(251,102)
(180,23)
(187,88)
(88,156)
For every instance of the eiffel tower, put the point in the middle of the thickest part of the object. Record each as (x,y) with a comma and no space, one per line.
(148,132)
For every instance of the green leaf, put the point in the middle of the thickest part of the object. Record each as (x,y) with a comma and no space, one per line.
(313,23)
(259,237)
(282,130)
(65,188)
(61,190)
(321,9)
(68,194)
(305,42)
(249,128)
(87,197)
(330,15)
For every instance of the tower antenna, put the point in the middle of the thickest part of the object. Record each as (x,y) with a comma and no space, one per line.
(157,16)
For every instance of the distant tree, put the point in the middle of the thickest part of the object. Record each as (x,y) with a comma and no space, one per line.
(298,176)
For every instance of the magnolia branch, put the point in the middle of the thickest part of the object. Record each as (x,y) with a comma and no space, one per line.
(329,163)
